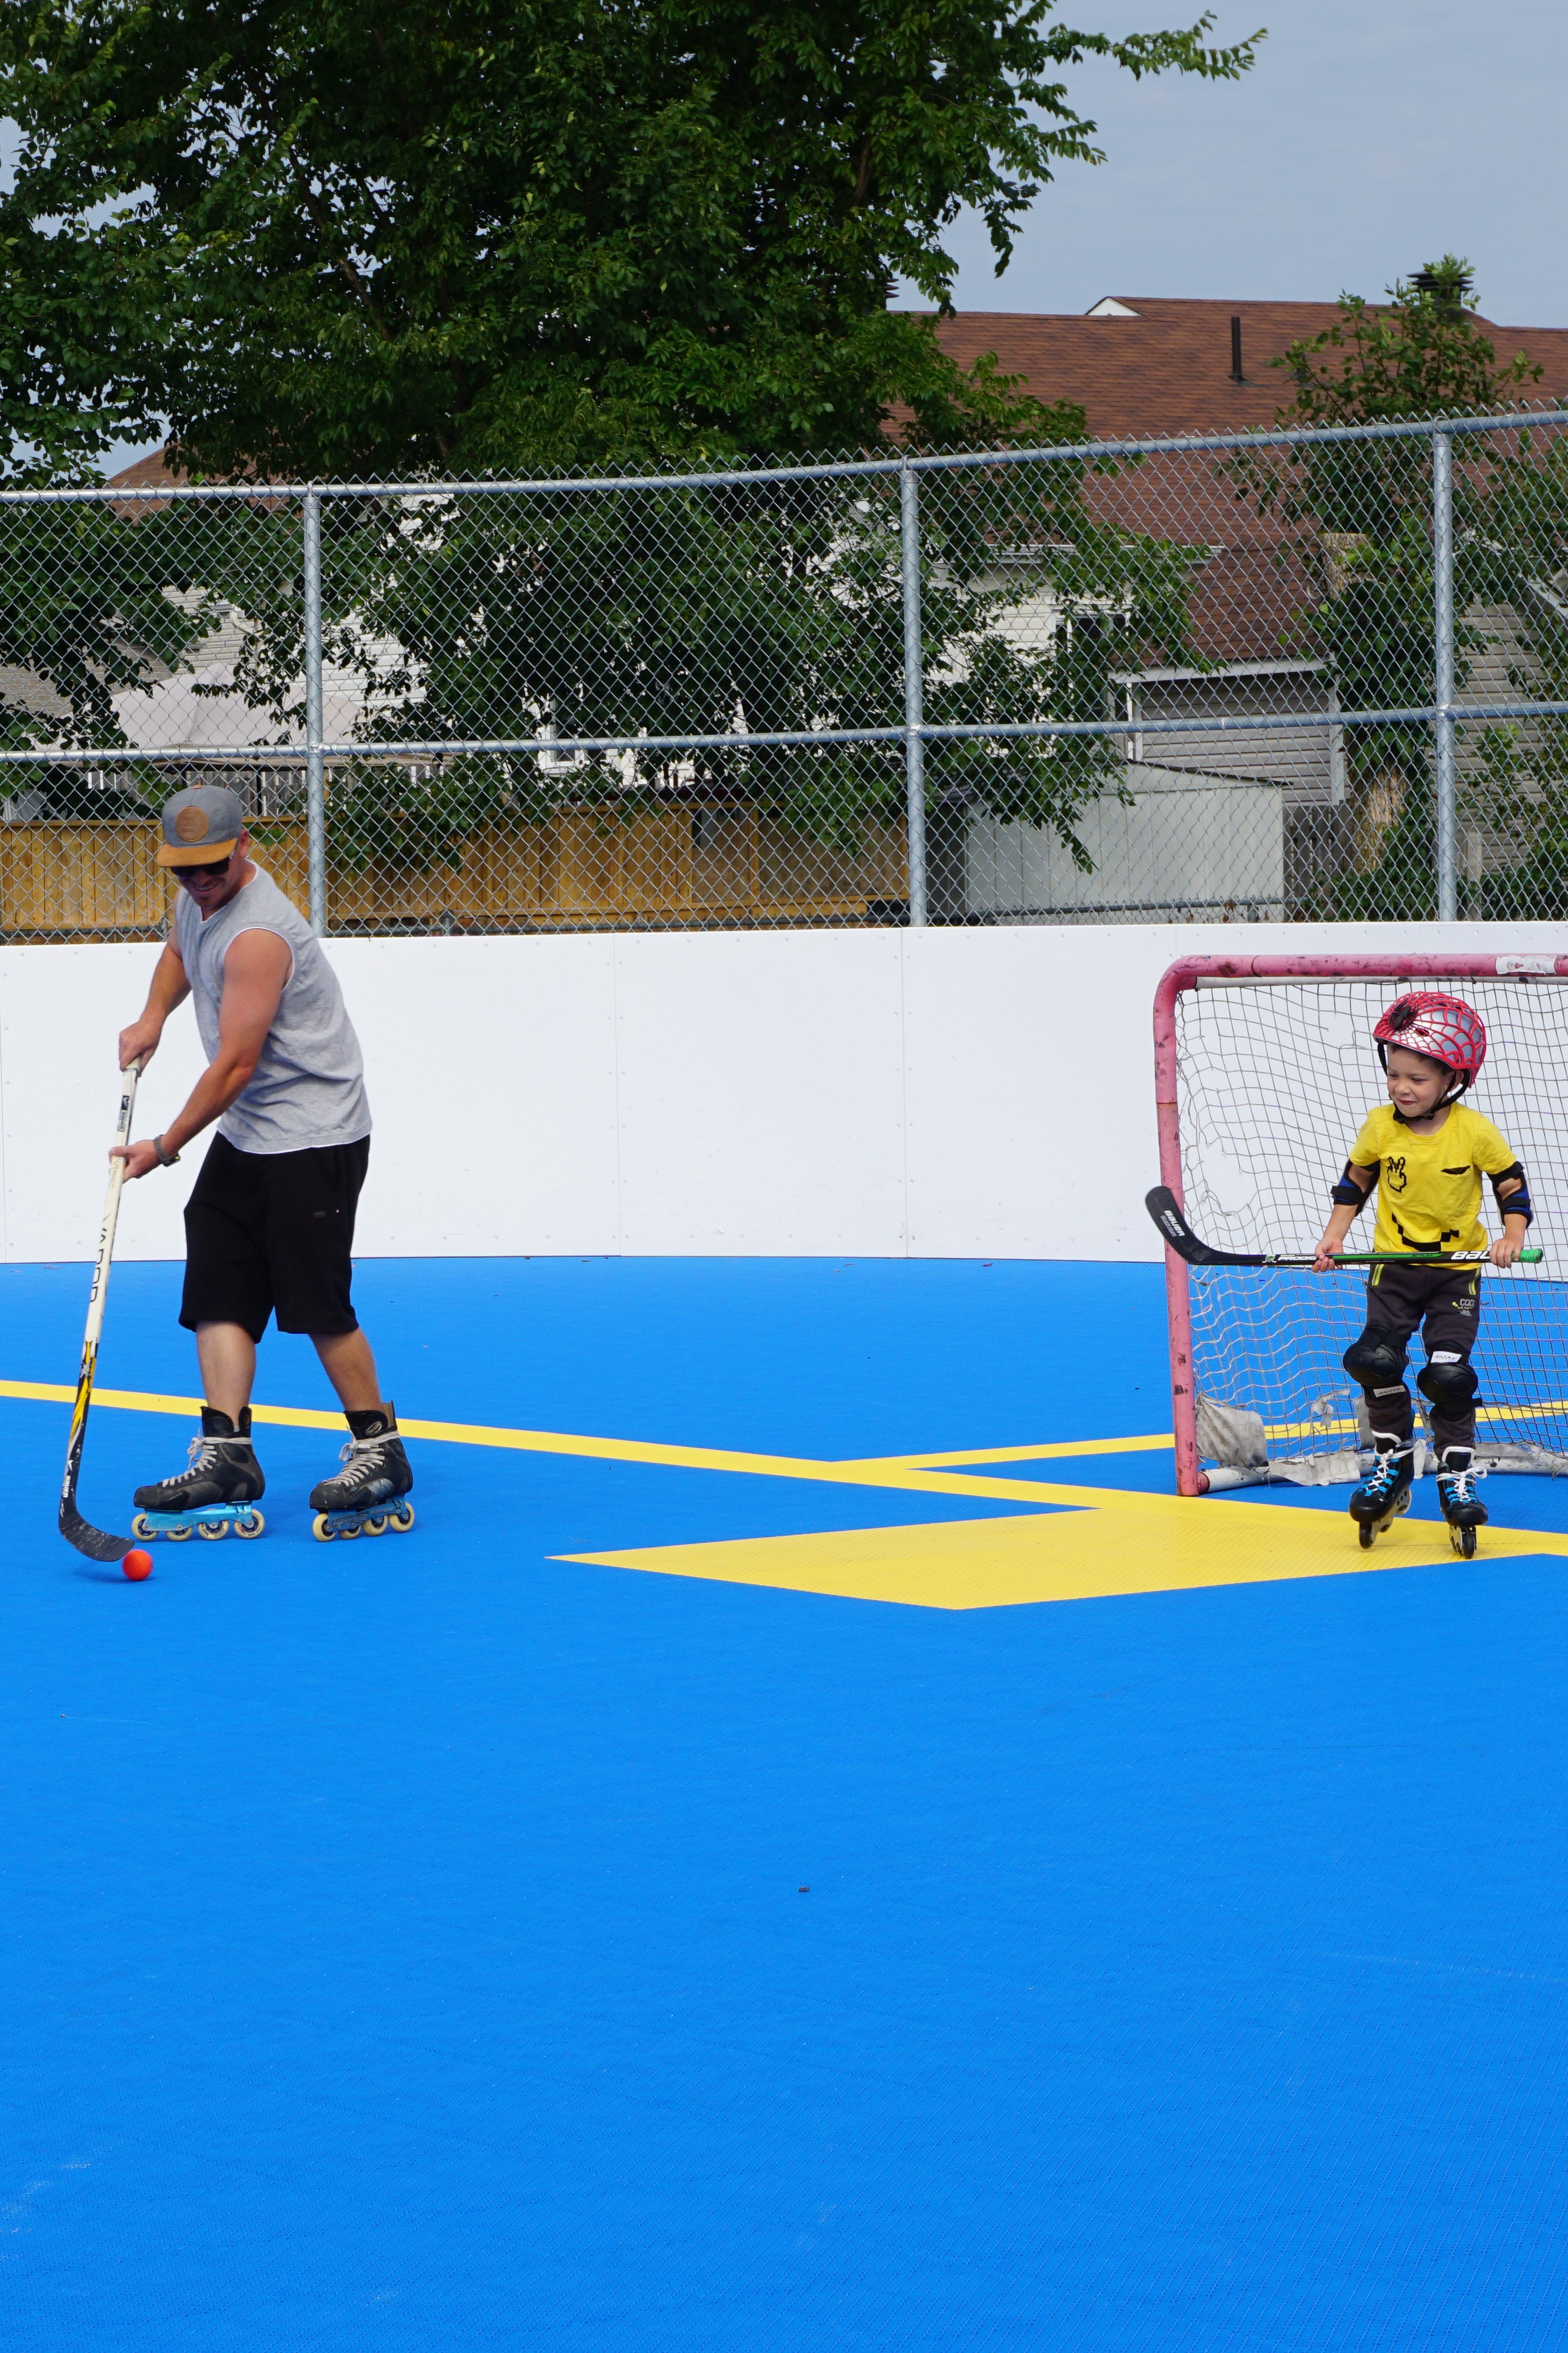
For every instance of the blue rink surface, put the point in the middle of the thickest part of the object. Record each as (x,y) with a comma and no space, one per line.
(428,1942)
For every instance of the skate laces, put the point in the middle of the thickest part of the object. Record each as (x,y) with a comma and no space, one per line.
(203,1452)
(1461,1484)
(1385,1472)
(357,1454)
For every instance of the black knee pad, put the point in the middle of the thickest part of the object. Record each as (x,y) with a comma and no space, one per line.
(1452,1388)
(1374,1364)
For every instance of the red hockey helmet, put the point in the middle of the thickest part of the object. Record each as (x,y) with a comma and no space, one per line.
(1445,1029)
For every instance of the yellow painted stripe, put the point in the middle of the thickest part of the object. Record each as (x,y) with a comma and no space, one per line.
(871,1473)
(1080,1556)
(1105,1541)
(149,1401)
(1059,1452)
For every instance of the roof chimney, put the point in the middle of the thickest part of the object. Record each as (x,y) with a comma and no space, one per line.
(1447,288)
(1235,374)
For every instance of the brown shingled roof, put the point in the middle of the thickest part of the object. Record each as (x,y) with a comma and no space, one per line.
(1168,369)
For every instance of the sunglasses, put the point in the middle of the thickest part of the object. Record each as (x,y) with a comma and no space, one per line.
(215,868)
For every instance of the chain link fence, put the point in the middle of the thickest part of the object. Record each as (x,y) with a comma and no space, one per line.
(1295,676)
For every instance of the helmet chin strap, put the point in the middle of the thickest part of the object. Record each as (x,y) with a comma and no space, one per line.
(1460,1084)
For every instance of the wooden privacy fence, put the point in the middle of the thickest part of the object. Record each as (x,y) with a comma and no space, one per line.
(691,864)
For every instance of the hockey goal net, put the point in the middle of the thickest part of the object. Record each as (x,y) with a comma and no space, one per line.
(1266,1069)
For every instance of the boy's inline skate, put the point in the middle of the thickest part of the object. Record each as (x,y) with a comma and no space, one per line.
(368,1494)
(1378,1502)
(1462,1507)
(217,1491)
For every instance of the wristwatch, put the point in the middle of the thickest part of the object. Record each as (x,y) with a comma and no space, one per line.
(165,1159)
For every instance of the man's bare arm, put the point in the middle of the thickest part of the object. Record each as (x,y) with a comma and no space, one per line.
(255,972)
(170,987)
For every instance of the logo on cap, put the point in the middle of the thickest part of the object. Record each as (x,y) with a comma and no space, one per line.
(192,825)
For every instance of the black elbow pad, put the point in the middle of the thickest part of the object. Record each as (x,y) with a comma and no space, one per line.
(1518,1204)
(1347,1193)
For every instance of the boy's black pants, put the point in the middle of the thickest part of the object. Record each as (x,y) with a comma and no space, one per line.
(1446,1302)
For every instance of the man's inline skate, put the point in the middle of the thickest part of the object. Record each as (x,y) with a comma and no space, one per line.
(1462,1507)
(368,1493)
(1385,1494)
(218,1490)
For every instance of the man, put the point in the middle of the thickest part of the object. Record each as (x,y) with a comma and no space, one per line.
(270,1223)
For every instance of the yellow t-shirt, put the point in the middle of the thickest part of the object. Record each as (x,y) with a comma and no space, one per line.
(1429,1186)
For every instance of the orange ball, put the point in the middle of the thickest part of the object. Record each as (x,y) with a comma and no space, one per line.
(137,1565)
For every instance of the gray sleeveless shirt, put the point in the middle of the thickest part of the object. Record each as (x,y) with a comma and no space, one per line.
(308,1086)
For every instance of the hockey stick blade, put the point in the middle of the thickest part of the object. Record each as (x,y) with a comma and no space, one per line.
(1161,1205)
(89,1540)
(96,1542)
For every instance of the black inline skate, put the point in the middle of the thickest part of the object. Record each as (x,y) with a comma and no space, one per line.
(1385,1492)
(369,1492)
(1462,1507)
(217,1491)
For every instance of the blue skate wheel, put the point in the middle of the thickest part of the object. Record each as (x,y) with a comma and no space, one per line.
(139,1528)
(178,1535)
(374,1523)
(251,1525)
(212,1529)
(401,1520)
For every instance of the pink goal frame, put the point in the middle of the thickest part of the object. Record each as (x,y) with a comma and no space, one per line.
(1197,972)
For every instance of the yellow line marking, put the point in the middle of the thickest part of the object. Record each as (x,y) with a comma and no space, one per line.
(872,1473)
(149,1401)
(1078,1556)
(1343,1429)
(1059,1452)
(1103,1541)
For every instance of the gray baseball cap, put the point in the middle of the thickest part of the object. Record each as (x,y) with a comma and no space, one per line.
(201,826)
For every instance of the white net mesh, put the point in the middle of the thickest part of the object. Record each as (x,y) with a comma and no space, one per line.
(1275,1079)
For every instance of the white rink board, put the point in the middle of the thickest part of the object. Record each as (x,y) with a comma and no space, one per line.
(975,1093)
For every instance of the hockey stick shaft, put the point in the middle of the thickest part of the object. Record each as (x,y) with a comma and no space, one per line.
(1409,1257)
(1162,1205)
(95,1542)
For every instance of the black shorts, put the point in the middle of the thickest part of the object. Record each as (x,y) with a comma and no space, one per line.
(1444,1301)
(273,1231)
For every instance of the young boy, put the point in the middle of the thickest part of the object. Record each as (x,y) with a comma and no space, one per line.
(1426,1152)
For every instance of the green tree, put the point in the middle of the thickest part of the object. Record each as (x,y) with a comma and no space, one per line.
(331,238)
(1422,354)
(1358,517)
(732,610)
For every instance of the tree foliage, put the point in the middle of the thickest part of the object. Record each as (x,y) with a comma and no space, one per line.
(429,243)
(737,611)
(1358,514)
(323,237)
(1422,354)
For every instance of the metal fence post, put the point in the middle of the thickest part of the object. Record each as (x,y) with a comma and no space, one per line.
(914,691)
(315,778)
(1443,674)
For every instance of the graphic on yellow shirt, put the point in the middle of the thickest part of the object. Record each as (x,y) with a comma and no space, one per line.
(1429,1186)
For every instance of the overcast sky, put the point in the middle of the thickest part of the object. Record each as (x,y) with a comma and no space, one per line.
(1371,136)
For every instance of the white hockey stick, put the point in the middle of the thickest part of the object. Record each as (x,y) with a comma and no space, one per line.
(73,1527)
